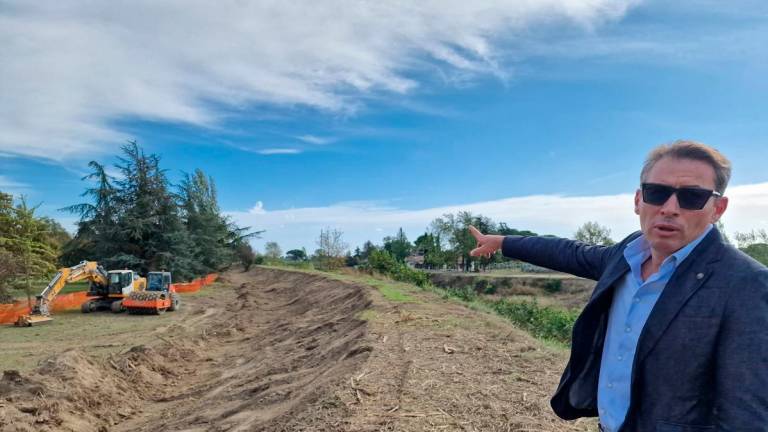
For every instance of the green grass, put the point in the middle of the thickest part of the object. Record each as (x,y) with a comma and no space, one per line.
(393,294)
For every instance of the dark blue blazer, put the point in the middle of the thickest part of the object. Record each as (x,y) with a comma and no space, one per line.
(702,358)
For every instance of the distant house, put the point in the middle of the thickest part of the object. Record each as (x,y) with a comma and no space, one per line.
(415,261)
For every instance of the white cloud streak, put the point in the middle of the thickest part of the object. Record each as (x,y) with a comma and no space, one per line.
(546,214)
(278,151)
(70,70)
(312,139)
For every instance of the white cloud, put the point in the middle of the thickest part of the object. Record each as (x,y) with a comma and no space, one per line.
(69,70)
(276,151)
(312,139)
(258,209)
(546,214)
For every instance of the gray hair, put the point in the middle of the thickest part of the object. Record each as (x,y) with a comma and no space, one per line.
(684,149)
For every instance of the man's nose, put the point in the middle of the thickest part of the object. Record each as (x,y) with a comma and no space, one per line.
(671,207)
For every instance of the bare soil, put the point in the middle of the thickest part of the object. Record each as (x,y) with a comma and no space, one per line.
(275,350)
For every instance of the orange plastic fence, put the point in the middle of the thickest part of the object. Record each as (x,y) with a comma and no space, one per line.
(196,284)
(69,301)
(9,312)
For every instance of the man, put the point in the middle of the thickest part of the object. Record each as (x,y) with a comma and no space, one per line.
(675,335)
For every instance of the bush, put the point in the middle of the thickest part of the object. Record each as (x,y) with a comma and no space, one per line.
(382,262)
(553,286)
(466,293)
(543,322)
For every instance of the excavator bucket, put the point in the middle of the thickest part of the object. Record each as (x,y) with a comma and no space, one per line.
(30,320)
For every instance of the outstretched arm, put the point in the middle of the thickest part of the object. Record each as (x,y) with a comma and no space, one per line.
(558,254)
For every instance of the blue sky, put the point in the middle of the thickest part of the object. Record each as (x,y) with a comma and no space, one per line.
(370,117)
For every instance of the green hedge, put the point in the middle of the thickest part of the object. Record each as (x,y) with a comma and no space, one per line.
(541,321)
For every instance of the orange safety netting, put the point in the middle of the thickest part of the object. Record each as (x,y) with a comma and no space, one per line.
(196,284)
(69,301)
(9,312)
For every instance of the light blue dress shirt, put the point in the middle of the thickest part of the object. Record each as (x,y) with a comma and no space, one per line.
(632,304)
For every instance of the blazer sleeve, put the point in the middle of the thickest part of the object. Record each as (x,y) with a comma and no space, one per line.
(741,375)
(568,256)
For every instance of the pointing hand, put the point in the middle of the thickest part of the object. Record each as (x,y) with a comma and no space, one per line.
(487,244)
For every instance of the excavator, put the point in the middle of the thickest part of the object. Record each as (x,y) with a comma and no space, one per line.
(107,290)
(110,296)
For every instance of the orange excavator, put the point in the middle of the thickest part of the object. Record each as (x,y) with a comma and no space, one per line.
(86,270)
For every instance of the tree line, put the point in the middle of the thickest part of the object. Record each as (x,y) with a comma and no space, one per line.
(140,221)
(446,244)
(136,220)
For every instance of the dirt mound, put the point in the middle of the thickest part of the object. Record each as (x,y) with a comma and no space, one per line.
(272,346)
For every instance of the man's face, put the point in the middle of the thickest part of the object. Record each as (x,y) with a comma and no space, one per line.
(668,227)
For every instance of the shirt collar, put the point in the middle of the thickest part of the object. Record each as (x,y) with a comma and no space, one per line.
(639,249)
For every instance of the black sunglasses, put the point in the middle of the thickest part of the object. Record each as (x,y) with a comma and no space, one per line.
(689,198)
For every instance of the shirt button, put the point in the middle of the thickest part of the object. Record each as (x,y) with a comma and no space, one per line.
(610,385)
(637,300)
(628,329)
(620,358)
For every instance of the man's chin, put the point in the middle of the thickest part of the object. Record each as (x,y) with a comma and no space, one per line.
(666,246)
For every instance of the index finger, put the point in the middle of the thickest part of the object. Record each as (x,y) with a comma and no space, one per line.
(475,233)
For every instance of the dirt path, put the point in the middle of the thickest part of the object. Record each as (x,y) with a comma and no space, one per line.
(286,351)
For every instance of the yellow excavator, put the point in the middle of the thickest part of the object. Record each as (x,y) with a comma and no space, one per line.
(107,290)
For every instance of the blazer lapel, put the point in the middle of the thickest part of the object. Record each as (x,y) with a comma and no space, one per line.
(608,281)
(686,280)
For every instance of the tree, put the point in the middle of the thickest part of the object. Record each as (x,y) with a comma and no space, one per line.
(368,248)
(297,254)
(331,243)
(246,255)
(10,268)
(454,231)
(503,229)
(754,244)
(272,250)
(594,233)
(428,245)
(331,248)
(137,222)
(398,246)
(27,243)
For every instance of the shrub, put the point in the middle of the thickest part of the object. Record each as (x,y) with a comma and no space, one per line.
(543,322)
(465,293)
(553,286)
(382,262)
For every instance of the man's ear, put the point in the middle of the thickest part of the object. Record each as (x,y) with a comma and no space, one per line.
(637,202)
(720,205)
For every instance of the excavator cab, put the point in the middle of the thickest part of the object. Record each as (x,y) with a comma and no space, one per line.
(110,296)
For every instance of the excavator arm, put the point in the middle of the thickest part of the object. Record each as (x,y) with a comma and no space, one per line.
(86,270)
